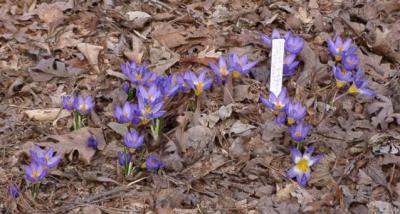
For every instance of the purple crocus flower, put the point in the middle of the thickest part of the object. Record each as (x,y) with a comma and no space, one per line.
(276,104)
(359,85)
(124,158)
(338,48)
(350,61)
(239,66)
(342,76)
(150,95)
(137,75)
(68,102)
(125,113)
(45,158)
(149,111)
(295,113)
(198,84)
(133,140)
(303,162)
(221,70)
(35,172)
(275,35)
(299,131)
(13,191)
(125,87)
(84,105)
(289,65)
(181,81)
(92,142)
(153,162)
(168,86)
(294,44)
(280,118)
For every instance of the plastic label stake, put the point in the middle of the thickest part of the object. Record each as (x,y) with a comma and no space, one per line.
(278,51)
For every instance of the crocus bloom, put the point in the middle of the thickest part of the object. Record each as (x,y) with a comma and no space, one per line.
(198,84)
(289,65)
(84,105)
(125,113)
(149,111)
(299,131)
(92,142)
(124,158)
(342,76)
(181,81)
(239,65)
(168,86)
(338,48)
(68,102)
(13,191)
(137,75)
(275,35)
(280,118)
(221,70)
(276,104)
(153,163)
(133,140)
(35,172)
(359,86)
(125,87)
(150,95)
(294,44)
(350,61)
(45,158)
(295,113)
(302,171)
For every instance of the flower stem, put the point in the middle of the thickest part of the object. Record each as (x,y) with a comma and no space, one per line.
(77,120)
(131,94)
(339,97)
(35,189)
(155,129)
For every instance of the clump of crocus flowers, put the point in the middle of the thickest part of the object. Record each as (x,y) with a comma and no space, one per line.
(347,71)
(41,162)
(293,46)
(290,112)
(152,93)
(80,106)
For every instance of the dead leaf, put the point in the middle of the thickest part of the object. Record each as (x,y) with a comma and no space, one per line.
(70,144)
(120,128)
(162,58)
(47,114)
(139,18)
(203,167)
(283,194)
(91,53)
(138,49)
(46,69)
(241,129)
(91,209)
(382,112)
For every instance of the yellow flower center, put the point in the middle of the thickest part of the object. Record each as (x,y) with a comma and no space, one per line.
(149,97)
(139,77)
(340,84)
(276,113)
(126,114)
(235,74)
(338,58)
(148,109)
(290,121)
(339,49)
(302,165)
(35,173)
(83,107)
(223,71)
(278,105)
(352,89)
(297,133)
(199,88)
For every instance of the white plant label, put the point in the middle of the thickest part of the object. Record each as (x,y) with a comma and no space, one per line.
(278,51)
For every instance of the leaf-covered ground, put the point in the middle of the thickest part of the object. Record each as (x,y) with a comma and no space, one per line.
(219,157)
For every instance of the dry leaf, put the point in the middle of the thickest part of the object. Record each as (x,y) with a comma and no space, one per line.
(139,18)
(46,69)
(91,53)
(70,144)
(47,114)
(241,129)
